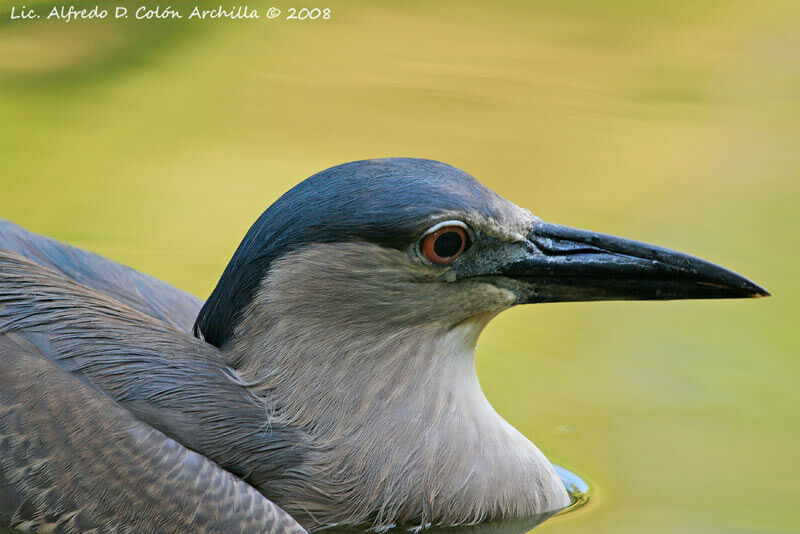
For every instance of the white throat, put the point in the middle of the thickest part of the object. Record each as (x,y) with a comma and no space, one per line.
(398,426)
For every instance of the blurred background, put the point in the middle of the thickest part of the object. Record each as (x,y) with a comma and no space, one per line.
(157,143)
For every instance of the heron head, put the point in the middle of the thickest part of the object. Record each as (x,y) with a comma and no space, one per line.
(401,243)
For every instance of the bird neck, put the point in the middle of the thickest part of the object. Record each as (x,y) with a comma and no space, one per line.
(399,427)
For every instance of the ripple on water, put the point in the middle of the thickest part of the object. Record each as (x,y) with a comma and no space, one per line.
(577,488)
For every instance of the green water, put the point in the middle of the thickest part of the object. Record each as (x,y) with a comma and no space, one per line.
(677,123)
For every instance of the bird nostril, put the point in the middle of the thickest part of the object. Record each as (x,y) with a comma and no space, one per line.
(444,245)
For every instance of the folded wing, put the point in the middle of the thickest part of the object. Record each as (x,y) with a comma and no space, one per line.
(98,393)
(72,460)
(139,291)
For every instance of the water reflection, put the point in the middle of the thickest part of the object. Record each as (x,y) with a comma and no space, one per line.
(577,488)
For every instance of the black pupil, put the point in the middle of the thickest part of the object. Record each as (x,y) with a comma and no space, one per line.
(448,244)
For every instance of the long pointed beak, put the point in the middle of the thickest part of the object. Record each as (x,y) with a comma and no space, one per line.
(564,264)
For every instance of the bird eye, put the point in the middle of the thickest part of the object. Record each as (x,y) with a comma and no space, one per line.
(444,244)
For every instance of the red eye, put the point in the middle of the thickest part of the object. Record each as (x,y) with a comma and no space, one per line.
(444,245)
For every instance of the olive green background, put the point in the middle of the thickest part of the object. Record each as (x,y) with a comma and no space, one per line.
(158,143)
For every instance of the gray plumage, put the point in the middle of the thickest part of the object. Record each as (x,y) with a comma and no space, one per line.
(128,286)
(72,461)
(332,373)
(162,377)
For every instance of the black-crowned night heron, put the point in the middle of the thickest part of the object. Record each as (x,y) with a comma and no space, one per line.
(331,371)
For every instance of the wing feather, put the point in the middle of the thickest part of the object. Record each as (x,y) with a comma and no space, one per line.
(72,460)
(146,386)
(139,291)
